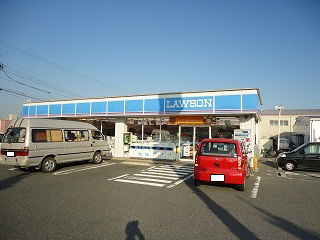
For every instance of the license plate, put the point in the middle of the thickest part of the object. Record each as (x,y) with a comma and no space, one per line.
(217,178)
(10,154)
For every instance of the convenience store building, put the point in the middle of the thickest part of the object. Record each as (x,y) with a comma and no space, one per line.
(163,126)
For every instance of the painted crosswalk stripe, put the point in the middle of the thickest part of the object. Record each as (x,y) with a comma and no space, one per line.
(174,170)
(147,179)
(178,167)
(156,176)
(163,174)
(140,182)
(163,171)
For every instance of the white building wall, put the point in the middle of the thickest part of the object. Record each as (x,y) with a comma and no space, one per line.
(120,128)
(249,123)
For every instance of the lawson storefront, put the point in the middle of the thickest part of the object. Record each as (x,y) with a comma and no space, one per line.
(163,126)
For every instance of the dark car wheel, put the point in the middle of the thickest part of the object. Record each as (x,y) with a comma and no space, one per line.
(242,187)
(289,166)
(48,165)
(197,183)
(97,158)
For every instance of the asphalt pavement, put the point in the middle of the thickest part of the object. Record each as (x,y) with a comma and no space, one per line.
(131,199)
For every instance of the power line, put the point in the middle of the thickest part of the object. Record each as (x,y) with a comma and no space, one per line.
(51,63)
(36,80)
(12,95)
(19,93)
(26,85)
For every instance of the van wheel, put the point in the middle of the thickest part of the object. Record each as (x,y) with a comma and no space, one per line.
(197,183)
(48,165)
(97,158)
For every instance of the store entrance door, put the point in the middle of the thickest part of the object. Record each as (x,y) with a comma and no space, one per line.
(190,137)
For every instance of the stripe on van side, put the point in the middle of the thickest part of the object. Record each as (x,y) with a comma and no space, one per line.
(63,154)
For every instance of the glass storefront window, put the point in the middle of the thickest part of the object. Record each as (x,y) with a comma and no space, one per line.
(224,127)
(155,129)
(169,132)
(135,127)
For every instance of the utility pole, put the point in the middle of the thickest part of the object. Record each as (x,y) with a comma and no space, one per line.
(279,108)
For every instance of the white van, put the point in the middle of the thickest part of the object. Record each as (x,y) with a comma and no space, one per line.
(44,143)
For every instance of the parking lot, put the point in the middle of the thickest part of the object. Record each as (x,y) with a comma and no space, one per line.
(122,199)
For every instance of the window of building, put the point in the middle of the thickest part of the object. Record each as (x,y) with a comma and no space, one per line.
(282,123)
(152,129)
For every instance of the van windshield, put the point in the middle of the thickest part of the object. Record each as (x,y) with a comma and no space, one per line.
(15,135)
(218,149)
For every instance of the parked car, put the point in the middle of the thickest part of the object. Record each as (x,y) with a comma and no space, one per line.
(221,160)
(1,137)
(305,156)
(44,143)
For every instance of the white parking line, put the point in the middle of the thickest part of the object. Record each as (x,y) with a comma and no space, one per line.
(81,169)
(255,189)
(180,181)
(118,177)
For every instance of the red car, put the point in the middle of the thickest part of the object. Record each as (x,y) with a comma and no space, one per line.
(221,160)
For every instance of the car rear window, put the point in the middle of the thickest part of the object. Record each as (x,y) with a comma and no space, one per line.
(15,135)
(218,149)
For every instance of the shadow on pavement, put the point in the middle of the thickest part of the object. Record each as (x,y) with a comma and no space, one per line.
(284,224)
(12,181)
(234,225)
(133,231)
(269,163)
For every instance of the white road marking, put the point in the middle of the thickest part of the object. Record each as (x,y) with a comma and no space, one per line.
(140,182)
(158,176)
(147,179)
(118,177)
(164,171)
(180,181)
(256,187)
(11,169)
(178,167)
(137,163)
(81,169)
(155,176)
(175,170)
(163,174)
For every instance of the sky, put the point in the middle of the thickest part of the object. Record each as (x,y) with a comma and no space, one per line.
(56,50)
